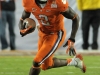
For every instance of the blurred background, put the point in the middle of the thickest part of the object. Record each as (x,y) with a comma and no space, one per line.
(29,42)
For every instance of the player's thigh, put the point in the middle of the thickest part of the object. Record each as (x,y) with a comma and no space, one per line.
(62,39)
(49,46)
(46,48)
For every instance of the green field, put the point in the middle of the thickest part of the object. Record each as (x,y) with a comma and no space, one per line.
(19,65)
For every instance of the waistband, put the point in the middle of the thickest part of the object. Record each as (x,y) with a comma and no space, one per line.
(47,32)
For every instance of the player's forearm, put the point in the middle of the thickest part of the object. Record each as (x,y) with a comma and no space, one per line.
(24,16)
(71,14)
(75,22)
(75,25)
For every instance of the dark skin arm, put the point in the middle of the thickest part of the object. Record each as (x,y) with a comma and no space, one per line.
(23,30)
(24,16)
(71,14)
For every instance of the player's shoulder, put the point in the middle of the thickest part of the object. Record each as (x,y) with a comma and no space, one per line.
(26,2)
(60,2)
(62,5)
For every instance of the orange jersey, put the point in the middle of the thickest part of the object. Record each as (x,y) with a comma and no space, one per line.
(48,17)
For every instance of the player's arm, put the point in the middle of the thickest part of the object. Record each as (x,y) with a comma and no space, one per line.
(25,15)
(22,26)
(71,14)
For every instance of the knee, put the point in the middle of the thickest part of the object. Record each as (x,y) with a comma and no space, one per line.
(36,64)
(43,66)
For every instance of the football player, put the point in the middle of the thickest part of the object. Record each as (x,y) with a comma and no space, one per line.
(50,15)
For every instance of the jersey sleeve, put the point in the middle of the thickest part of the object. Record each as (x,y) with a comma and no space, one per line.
(26,4)
(63,5)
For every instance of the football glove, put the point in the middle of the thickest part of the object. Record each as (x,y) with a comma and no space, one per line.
(70,49)
(28,30)
(25,29)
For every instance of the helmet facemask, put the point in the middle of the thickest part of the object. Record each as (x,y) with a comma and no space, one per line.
(42,1)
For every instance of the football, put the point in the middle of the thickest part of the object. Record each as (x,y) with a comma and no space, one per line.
(29,22)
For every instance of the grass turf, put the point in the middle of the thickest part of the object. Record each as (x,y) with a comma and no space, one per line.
(20,65)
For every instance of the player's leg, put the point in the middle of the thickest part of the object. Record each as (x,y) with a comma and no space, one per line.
(35,69)
(64,62)
(55,62)
(76,61)
(47,46)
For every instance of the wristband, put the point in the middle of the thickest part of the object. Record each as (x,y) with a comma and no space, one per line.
(73,40)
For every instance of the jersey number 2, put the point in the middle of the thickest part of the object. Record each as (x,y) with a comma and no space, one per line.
(44,20)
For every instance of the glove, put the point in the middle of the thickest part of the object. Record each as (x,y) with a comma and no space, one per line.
(25,31)
(70,50)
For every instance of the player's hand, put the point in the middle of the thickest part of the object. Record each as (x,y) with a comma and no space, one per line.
(25,31)
(70,49)
(24,28)
(27,26)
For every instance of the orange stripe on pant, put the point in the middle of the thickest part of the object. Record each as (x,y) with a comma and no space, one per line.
(47,45)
